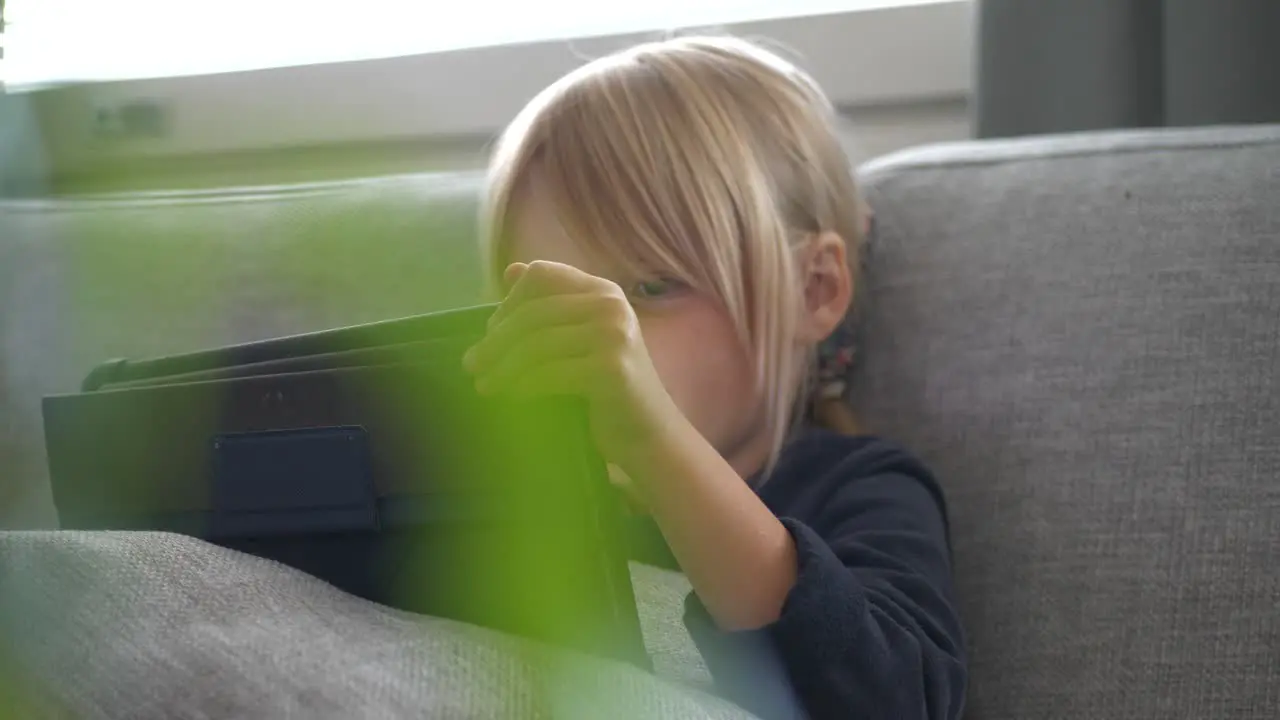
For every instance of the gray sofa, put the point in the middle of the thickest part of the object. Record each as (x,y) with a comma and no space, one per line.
(1081,334)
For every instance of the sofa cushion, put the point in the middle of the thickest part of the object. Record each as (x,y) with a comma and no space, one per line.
(1081,335)
(152,625)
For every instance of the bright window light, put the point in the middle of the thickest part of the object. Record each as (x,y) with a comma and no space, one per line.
(57,41)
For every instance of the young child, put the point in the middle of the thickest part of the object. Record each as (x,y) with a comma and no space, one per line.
(675,230)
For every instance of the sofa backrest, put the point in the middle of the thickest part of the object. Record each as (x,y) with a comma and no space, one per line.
(1082,336)
(86,280)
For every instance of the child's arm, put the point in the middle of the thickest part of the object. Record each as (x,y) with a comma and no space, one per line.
(740,559)
(562,331)
(870,625)
(853,605)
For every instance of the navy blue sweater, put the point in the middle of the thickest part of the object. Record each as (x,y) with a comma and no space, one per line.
(870,629)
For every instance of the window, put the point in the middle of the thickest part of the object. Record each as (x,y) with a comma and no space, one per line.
(245,75)
(54,41)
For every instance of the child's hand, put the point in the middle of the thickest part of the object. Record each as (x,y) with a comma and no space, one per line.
(560,331)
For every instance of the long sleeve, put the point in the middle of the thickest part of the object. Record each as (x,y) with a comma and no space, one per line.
(870,629)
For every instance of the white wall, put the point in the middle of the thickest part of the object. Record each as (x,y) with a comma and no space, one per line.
(902,74)
(877,130)
(866,132)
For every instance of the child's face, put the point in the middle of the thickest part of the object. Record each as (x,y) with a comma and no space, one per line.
(691,339)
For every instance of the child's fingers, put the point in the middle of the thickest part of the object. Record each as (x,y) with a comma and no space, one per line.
(524,283)
(549,346)
(541,278)
(513,273)
(530,318)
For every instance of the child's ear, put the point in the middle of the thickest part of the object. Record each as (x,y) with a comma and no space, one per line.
(828,287)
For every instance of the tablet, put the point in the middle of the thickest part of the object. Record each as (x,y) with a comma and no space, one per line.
(375,467)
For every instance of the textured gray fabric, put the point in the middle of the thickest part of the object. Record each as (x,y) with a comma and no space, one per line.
(1081,335)
(142,625)
(660,596)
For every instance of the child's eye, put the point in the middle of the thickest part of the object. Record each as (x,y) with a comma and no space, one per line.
(653,289)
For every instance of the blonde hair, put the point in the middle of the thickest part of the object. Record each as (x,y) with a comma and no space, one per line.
(715,159)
